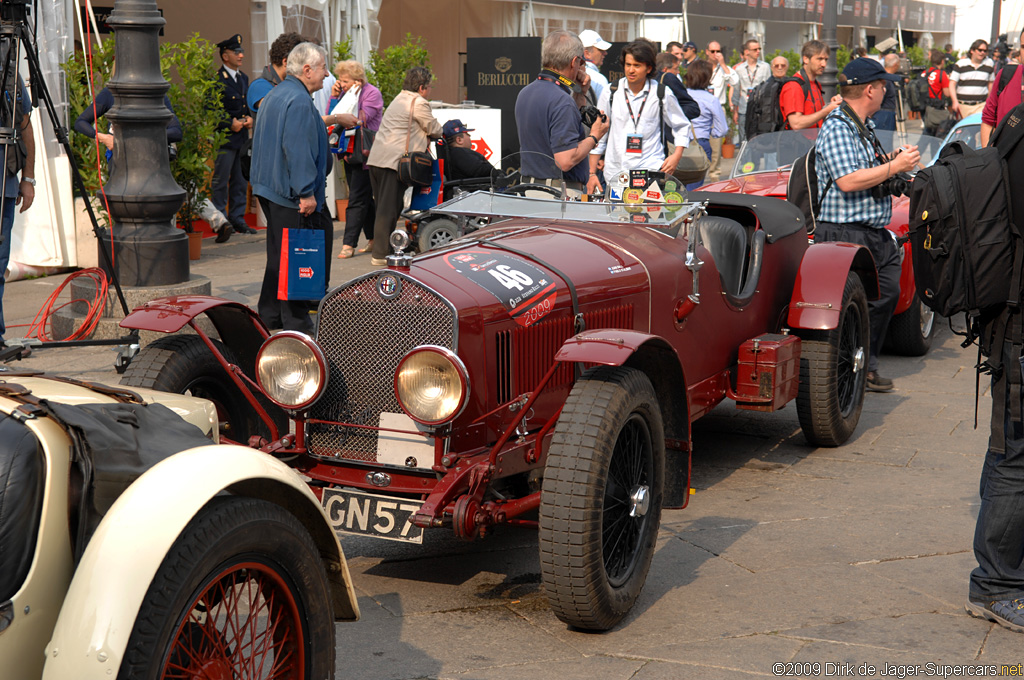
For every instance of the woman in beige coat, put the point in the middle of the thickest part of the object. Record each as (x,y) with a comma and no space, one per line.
(408,117)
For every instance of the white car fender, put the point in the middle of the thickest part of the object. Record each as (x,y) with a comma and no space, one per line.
(130,543)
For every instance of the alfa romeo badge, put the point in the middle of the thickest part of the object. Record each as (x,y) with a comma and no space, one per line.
(389,286)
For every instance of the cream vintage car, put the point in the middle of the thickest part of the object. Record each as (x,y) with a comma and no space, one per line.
(133,545)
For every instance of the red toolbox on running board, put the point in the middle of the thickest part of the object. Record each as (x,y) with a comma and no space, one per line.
(768,372)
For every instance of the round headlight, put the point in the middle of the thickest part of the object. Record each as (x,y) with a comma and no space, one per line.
(432,385)
(291,370)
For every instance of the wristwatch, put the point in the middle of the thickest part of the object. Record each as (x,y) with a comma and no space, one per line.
(30,180)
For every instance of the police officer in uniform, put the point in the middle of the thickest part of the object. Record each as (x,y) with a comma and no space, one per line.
(229,186)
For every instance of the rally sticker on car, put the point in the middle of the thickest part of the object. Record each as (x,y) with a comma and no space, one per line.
(527,292)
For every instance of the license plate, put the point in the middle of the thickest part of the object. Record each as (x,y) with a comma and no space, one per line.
(363,514)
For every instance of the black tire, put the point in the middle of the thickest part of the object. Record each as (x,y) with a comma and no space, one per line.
(833,371)
(183,364)
(237,558)
(910,333)
(436,233)
(608,444)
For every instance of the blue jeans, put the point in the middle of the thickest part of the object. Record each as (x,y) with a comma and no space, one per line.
(6,226)
(999,534)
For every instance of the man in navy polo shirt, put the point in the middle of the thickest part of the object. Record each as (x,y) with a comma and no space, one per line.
(552,142)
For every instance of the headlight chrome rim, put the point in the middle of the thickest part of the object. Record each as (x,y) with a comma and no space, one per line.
(316,353)
(460,370)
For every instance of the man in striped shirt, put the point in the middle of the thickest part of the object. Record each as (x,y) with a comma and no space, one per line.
(972,79)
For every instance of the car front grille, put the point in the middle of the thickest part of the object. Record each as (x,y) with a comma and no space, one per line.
(525,354)
(363,335)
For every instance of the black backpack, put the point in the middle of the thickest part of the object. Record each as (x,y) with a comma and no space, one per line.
(917,94)
(964,244)
(763,111)
(802,188)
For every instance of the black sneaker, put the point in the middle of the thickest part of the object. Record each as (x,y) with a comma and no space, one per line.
(1007,613)
(877,383)
(224,234)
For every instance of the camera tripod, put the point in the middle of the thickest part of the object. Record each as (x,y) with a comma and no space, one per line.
(16,40)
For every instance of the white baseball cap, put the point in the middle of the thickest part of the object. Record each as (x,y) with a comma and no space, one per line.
(593,39)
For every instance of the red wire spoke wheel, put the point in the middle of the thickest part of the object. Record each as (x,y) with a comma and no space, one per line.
(241,595)
(244,624)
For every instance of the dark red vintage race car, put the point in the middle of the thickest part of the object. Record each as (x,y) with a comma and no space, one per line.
(543,371)
(762,168)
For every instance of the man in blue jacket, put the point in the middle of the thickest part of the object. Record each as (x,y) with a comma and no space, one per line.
(290,161)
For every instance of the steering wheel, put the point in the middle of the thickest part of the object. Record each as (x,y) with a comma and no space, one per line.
(521,189)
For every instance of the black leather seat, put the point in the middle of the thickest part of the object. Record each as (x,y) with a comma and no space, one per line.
(22,471)
(727,241)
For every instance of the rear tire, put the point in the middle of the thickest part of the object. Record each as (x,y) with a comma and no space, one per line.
(833,371)
(242,591)
(911,332)
(183,364)
(607,459)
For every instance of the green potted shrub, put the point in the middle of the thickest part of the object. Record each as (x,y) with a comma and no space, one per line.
(195,96)
(189,66)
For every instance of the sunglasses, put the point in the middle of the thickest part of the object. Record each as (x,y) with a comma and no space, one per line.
(983,50)
(714,51)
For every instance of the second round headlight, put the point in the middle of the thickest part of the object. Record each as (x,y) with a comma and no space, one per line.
(432,385)
(291,370)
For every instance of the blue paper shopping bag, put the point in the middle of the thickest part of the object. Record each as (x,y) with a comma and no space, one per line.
(303,274)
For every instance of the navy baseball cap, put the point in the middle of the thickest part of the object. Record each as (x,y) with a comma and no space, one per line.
(455,127)
(865,70)
(689,45)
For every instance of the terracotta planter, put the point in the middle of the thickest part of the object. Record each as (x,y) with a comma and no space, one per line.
(340,205)
(728,149)
(195,244)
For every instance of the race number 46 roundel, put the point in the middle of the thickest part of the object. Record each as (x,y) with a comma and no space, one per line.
(527,292)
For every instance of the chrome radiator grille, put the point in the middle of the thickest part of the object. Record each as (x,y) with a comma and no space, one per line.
(364,335)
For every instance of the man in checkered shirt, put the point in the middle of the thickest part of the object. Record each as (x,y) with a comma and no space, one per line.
(850,165)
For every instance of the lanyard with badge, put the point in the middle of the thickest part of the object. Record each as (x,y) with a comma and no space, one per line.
(635,141)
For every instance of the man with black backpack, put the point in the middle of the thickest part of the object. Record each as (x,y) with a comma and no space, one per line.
(855,190)
(801,99)
(935,114)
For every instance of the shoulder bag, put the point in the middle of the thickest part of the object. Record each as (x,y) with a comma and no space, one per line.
(416,167)
(693,164)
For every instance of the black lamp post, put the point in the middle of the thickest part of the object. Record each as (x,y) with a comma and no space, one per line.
(828,36)
(141,192)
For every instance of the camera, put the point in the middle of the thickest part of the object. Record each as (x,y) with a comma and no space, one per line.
(895,186)
(589,115)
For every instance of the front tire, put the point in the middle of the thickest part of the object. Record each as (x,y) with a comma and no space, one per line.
(910,333)
(242,594)
(833,371)
(601,501)
(183,364)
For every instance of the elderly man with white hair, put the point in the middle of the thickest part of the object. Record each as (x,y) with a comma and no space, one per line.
(290,161)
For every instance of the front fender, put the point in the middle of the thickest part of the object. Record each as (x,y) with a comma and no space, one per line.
(130,543)
(658,360)
(818,289)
